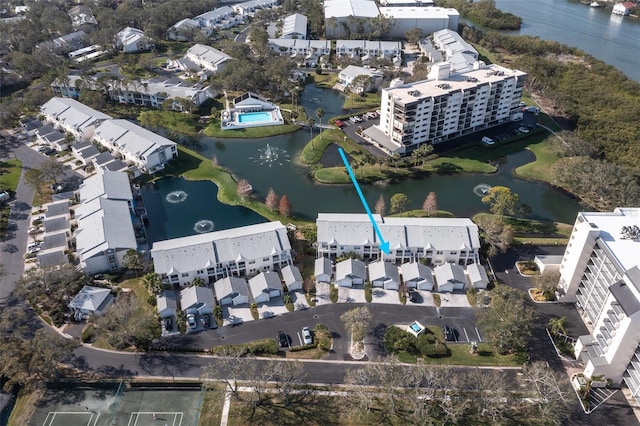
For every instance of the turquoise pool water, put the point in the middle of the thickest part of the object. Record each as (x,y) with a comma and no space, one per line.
(415,327)
(254,117)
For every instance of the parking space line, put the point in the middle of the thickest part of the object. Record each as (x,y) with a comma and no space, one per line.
(478,333)
(299,338)
(465,333)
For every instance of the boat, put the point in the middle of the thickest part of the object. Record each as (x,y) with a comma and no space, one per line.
(594,4)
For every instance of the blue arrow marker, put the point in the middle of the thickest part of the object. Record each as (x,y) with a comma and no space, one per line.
(384,245)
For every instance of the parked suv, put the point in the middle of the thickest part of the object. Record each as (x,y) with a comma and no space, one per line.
(449,333)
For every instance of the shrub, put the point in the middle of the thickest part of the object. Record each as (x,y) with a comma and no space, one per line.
(333,294)
(254,311)
(435,350)
(303,347)
(87,333)
(436,299)
(368,292)
(398,340)
(268,346)
(151,300)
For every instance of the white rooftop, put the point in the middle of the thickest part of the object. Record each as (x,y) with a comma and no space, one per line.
(104,224)
(413,92)
(418,12)
(437,233)
(344,8)
(294,24)
(131,138)
(208,54)
(72,113)
(353,71)
(610,224)
(107,184)
(206,250)
(90,298)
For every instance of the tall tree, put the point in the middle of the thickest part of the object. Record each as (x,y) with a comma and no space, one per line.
(547,388)
(357,322)
(284,207)
(311,122)
(501,200)
(320,114)
(133,260)
(152,283)
(430,205)
(52,169)
(496,234)
(272,200)
(399,203)
(381,206)
(244,188)
(35,179)
(507,320)
(413,36)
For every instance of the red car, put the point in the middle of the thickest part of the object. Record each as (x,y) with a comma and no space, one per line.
(339,123)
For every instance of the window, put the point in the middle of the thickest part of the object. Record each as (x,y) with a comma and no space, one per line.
(200,271)
(439,252)
(185,275)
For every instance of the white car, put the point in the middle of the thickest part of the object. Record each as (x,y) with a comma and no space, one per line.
(306,336)
(487,140)
(191,320)
(523,130)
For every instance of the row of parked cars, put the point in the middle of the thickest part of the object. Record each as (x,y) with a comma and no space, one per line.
(357,118)
(488,141)
(285,341)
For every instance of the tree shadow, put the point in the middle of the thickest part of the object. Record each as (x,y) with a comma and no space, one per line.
(448,169)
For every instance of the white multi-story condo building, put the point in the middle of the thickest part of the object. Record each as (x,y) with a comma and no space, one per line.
(437,240)
(239,252)
(446,106)
(600,273)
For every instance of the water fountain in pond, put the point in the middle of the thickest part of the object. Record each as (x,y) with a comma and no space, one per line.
(481,190)
(203,226)
(176,197)
(271,155)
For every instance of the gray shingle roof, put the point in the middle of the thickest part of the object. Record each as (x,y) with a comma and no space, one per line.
(203,250)
(230,287)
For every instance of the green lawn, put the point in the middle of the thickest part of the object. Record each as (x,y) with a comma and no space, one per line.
(545,158)
(214,130)
(369,101)
(10,174)
(422,213)
(538,232)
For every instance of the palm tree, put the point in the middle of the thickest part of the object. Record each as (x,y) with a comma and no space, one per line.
(558,325)
(320,114)
(311,122)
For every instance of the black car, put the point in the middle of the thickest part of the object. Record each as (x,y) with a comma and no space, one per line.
(168,324)
(50,151)
(205,320)
(283,339)
(414,296)
(449,333)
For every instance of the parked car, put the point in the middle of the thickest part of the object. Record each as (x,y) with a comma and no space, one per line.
(487,140)
(306,336)
(205,319)
(43,148)
(191,321)
(282,339)
(168,324)
(523,129)
(339,123)
(50,152)
(33,245)
(449,333)
(414,296)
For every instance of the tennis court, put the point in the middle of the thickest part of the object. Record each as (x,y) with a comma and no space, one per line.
(119,404)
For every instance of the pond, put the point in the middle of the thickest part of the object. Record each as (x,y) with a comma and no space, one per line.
(272,163)
(177,208)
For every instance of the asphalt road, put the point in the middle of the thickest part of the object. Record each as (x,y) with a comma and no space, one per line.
(14,244)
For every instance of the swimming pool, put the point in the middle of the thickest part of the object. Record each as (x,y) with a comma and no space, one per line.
(255,117)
